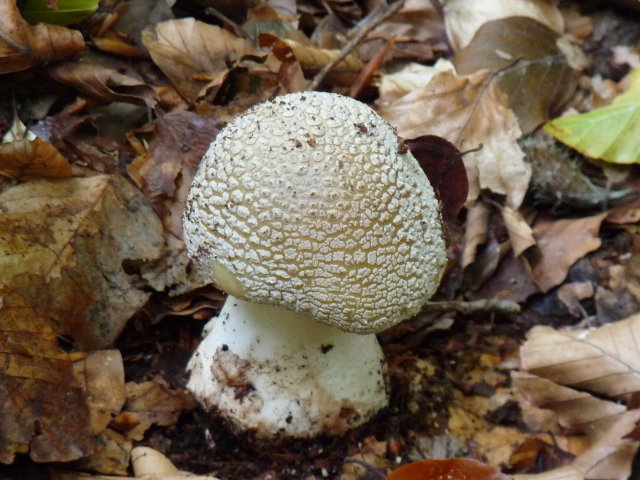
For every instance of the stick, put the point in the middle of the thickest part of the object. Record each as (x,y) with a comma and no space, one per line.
(489,304)
(370,22)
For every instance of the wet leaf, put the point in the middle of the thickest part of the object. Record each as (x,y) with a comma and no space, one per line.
(65,244)
(195,56)
(23,46)
(449,469)
(471,112)
(442,163)
(533,72)
(44,409)
(609,133)
(463,18)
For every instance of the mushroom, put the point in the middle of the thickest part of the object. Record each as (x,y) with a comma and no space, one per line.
(321,226)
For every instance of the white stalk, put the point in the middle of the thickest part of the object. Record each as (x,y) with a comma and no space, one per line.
(276,372)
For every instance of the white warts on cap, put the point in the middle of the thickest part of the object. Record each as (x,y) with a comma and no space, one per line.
(309,202)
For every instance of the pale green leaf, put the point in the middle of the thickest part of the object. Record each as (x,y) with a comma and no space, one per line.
(609,133)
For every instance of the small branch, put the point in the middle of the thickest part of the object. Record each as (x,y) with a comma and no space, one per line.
(368,24)
(508,307)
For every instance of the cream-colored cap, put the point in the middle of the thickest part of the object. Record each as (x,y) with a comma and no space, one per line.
(312,203)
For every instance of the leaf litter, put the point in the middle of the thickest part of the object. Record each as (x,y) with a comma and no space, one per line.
(100,309)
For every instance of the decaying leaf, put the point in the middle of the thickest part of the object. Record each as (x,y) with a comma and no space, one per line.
(610,133)
(195,56)
(533,72)
(314,58)
(561,244)
(472,113)
(463,18)
(65,246)
(23,46)
(44,409)
(519,230)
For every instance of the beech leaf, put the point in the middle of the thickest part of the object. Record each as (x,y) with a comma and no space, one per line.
(64,247)
(471,112)
(532,71)
(195,56)
(609,133)
(23,46)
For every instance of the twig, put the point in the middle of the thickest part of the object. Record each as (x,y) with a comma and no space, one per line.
(486,305)
(237,29)
(370,22)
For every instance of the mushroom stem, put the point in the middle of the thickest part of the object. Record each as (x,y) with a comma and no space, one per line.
(276,372)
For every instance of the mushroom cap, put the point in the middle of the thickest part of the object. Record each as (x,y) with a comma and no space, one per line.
(312,203)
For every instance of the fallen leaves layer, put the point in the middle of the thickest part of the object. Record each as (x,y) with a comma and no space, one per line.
(66,244)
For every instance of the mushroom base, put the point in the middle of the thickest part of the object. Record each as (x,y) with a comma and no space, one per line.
(277,373)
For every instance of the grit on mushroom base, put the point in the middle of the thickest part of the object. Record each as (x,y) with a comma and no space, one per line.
(313,211)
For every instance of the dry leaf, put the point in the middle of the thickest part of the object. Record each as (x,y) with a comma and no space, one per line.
(533,72)
(605,360)
(562,243)
(44,409)
(104,78)
(155,403)
(577,411)
(111,454)
(471,112)
(101,375)
(313,58)
(65,249)
(463,18)
(22,46)
(29,157)
(475,232)
(519,230)
(195,56)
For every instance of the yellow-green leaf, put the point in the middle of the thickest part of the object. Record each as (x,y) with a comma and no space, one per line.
(610,133)
(67,13)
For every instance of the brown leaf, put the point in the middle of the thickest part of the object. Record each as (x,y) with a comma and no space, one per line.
(104,78)
(101,375)
(534,73)
(605,360)
(22,46)
(32,159)
(442,163)
(577,411)
(165,172)
(449,468)
(561,244)
(44,409)
(195,56)
(65,247)
(519,230)
(155,403)
(471,112)
(463,18)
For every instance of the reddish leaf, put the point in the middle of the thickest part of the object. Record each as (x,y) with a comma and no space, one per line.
(447,469)
(442,163)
